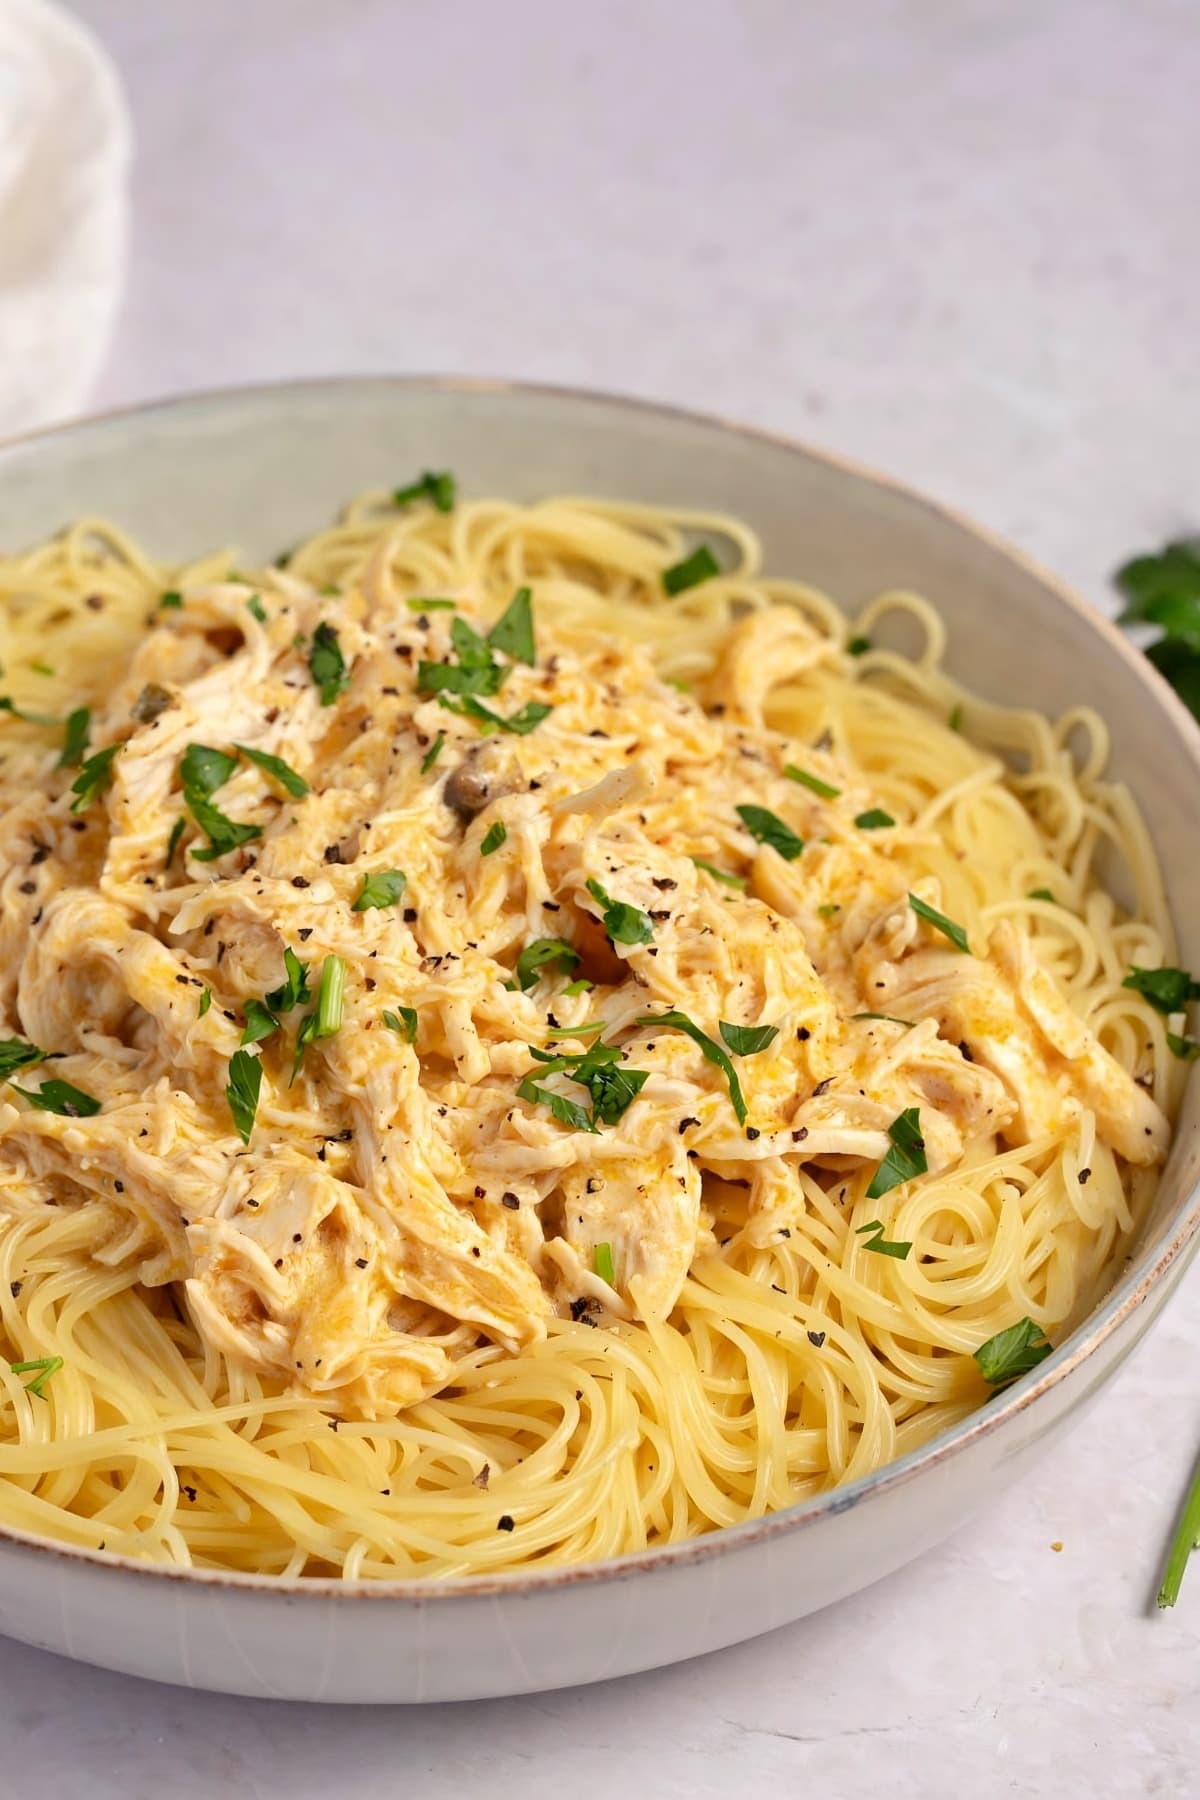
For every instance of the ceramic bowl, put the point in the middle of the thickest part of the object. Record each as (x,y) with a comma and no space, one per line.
(261,468)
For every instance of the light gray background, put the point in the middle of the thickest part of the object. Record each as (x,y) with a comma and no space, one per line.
(959,241)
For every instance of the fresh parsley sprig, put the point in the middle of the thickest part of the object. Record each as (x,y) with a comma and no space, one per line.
(1012,1352)
(905,1160)
(624,924)
(769,828)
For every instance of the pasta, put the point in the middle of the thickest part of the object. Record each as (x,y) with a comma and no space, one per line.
(702,1061)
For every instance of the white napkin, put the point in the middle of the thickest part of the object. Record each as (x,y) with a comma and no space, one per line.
(64,162)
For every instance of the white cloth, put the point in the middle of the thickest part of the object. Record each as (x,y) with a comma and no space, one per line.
(64,163)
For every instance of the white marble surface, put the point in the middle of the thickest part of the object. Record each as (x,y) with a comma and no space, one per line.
(958,240)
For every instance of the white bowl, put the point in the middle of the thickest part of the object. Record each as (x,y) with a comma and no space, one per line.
(262,467)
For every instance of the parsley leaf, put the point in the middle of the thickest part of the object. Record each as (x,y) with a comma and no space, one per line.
(940,922)
(260,1022)
(205,1003)
(330,997)
(858,646)
(223,834)
(327,665)
(42,1368)
(735,881)
(540,954)
(624,924)
(603,1262)
(177,831)
(1167,990)
(770,829)
(1185,1048)
(822,788)
(880,1244)
(15,1054)
(1012,1352)
(405,1024)
(419,604)
(495,836)
(437,487)
(700,566)
(600,1070)
(712,1051)
(294,991)
(278,770)
(1041,894)
(567,1112)
(30,718)
(203,770)
(170,601)
(434,751)
(513,630)
(748,1040)
(874,819)
(245,1082)
(93,778)
(256,609)
(384,888)
(906,1158)
(61,1097)
(79,724)
(461,678)
(304,1037)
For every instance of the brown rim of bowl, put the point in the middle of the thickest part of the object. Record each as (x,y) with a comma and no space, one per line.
(1123,1299)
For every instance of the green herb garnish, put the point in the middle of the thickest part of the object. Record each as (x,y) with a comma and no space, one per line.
(294,991)
(437,487)
(493,838)
(748,1040)
(906,1158)
(177,831)
(245,1082)
(29,718)
(434,751)
(1167,990)
(331,997)
(62,1098)
(419,604)
(304,1037)
(811,782)
(1185,1048)
(205,1003)
(327,665)
(603,1261)
(1012,1352)
(624,924)
(260,1022)
(171,601)
(858,646)
(940,922)
(582,986)
(93,778)
(223,834)
(874,819)
(881,1245)
(588,1029)
(403,1021)
(521,722)
(16,1054)
(278,770)
(734,881)
(256,609)
(1185,1539)
(513,630)
(887,1018)
(956,717)
(384,888)
(712,1051)
(1164,590)
(768,828)
(543,953)
(600,1070)
(1041,894)
(203,770)
(42,1368)
(700,566)
(79,725)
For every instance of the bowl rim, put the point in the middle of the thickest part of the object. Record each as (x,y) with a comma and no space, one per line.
(1123,1299)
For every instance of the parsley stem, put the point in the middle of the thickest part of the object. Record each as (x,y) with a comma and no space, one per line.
(1185,1540)
(331,996)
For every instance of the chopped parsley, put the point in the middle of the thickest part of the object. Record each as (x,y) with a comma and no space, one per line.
(403,1021)
(434,751)
(177,831)
(748,1040)
(1167,990)
(93,778)
(734,881)
(15,1054)
(940,922)
(858,646)
(30,718)
(419,604)
(1185,1048)
(811,782)
(956,717)
(495,836)
(255,607)
(79,725)
(476,671)
(874,819)
(768,828)
(223,834)
(711,1050)
(513,630)
(384,888)
(438,487)
(587,1029)
(327,665)
(205,1003)
(1012,1352)
(203,770)
(582,986)
(521,722)
(906,1158)
(278,770)
(171,601)
(304,1037)
(1185,1539)
(881,1245)
(1164,590)
(1041,894)
(294,991)
(624,924)
(886,1018)
(700,566)
(245,1082)
(330,997)
(260,1022)
(543,953)
(602,1258)
(600,1069)
(41,1368)
(62,1098)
